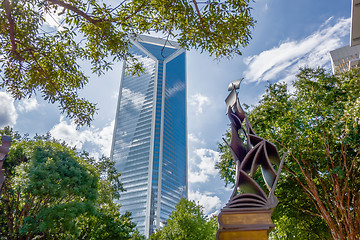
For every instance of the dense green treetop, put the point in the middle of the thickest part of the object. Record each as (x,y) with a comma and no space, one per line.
(52,192)
(46,187)
(38,60)
(317,123)
(189,222)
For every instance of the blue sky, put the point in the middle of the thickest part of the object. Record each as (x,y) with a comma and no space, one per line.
(288,34)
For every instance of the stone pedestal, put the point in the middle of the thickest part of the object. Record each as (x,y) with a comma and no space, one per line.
(244,225)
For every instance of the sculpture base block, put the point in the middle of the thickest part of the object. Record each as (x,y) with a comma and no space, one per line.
(246,224)
(242,235)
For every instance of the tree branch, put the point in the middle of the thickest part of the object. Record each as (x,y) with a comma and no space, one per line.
(11,29)
(75,10)
(200,17)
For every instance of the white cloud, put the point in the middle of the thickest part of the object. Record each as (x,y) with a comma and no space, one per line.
(194,139)
(282,62)
(210,203)
(202,165)
(199,101)
(100,137)
(27,105)
(104,138)
(8,113)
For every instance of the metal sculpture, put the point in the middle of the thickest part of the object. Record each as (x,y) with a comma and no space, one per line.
(4,149)
(247,215)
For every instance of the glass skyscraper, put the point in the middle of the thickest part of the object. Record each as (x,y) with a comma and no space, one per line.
(149,143)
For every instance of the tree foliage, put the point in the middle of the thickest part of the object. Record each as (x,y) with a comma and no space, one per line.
(51,192)
(318,123)
(187,222)
(39,59)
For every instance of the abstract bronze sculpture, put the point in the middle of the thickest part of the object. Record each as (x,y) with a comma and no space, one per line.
(4,149)
(247,215)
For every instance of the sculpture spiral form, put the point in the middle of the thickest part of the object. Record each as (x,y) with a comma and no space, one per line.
(250,153)
(247,215)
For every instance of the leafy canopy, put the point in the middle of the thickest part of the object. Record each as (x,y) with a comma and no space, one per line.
(39,59)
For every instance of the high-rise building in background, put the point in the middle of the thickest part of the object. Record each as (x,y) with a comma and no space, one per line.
(345,58)
(149,142)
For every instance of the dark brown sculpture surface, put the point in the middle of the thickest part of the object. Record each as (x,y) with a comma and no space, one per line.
(249,207)
(4,149)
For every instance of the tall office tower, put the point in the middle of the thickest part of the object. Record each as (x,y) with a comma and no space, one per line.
(149,143)
(345,58)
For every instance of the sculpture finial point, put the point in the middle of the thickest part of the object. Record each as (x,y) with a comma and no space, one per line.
(235,84)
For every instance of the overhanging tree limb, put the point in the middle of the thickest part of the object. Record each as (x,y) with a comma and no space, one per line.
(104,31)
(76,10)
(11,28)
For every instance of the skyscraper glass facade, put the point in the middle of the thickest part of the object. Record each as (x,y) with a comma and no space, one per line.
(149,142)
